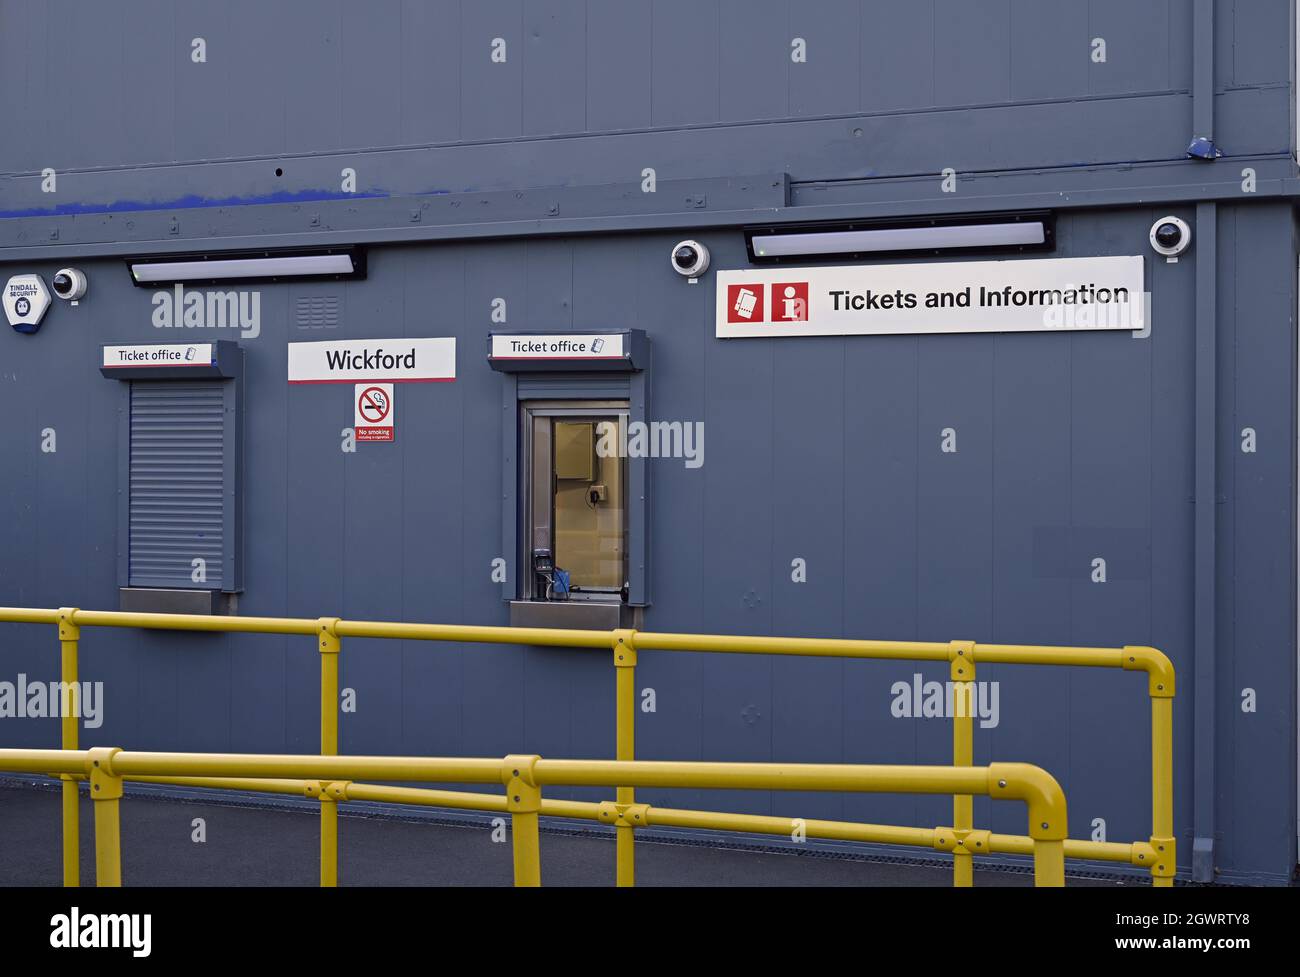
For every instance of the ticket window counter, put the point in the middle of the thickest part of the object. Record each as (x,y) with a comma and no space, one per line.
(575,513)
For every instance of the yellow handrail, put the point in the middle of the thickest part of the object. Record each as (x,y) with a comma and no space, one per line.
(524,776)
(1158,853)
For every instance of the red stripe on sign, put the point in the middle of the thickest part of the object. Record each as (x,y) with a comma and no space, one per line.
(369,380)
(619,357)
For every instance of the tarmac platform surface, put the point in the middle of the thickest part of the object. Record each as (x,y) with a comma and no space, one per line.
(263,844)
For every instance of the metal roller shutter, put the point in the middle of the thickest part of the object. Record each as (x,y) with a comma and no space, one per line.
(176,483)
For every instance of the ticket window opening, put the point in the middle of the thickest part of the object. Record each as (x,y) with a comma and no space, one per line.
(577,504)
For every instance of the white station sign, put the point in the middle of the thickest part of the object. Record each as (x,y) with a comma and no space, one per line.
(25,300)
(373,360)
(177,354)
(556,346)
(1024,295)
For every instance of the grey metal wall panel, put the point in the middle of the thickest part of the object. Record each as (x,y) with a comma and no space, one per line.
(1257,576)
(147,72)
(371,99)
(807,472)
(554,53)
(753,59)
(618,76)
(684,70)
(251,68)
(1048,44)
(176,482)
(1144,45)
(737,547)
(972,52)
(431,56)
(898,58)
(312,77)
(829,82)
(1258,49)
(21,86)
(491,92)
(322,78)
(200,114)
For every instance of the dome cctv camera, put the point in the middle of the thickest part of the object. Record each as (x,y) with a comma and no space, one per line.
(70,284)
(690,258)
(1170,237)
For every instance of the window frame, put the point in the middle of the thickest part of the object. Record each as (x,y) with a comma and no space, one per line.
(630,386)
(529,411)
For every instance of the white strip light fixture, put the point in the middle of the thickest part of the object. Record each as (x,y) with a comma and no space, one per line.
(260,267)
(774,245)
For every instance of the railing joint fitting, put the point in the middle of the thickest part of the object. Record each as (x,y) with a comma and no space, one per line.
(105,785)
(1159,669)
(962,841)
(69,630)
(623,815)
(1039,790)
(523,795)
(623,641)
(326,790)
(961,661)
(326,629)
(1161,856)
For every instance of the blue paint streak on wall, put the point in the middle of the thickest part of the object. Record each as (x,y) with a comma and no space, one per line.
(193,201)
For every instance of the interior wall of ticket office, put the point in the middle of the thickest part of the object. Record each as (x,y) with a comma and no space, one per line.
(823,449)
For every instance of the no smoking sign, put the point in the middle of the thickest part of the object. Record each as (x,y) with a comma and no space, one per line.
(373,414)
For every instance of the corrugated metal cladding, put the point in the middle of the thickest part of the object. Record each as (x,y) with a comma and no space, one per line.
(485,185)
(175,485)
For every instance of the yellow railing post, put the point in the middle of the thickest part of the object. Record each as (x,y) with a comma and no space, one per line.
(329,647)
(1160,687)
(961,658)
(69,635)
(106,792)
(523,801)
(1049,863)
(1162,789)
(625,749)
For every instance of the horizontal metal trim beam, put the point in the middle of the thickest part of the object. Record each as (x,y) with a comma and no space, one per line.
(443,216)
